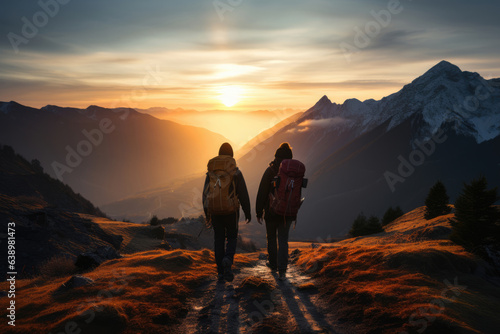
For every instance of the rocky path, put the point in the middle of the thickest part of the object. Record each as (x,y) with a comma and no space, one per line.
(258,302)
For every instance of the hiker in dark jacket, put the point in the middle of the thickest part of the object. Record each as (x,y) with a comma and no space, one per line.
(277,227)
(226,225)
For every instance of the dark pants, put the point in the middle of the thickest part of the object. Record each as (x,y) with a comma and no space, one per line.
(225,227)
(277,228)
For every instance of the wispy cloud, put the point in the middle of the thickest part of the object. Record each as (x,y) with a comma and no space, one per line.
(285,52)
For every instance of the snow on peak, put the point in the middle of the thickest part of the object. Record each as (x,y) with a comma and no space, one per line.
(443,94)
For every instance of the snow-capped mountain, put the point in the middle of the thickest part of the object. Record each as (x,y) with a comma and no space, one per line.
(444,94)
(350,148)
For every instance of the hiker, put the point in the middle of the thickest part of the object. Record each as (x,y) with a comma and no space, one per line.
(223,191)
(278,224)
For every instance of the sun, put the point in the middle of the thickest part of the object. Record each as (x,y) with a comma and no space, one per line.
(230,95)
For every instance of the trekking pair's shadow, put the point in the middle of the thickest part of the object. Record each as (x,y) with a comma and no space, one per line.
(308,316)
(221,315)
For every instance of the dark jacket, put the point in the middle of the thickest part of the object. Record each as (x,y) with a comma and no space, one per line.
(241,192)
(265,188)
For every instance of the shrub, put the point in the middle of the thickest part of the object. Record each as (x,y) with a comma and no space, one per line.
(436,203)
(391,215)
(154,221)
(476,220)
(169,220)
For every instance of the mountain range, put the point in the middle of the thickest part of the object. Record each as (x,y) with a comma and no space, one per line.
(367,156)
(106,154)
(360,156)
(364,156)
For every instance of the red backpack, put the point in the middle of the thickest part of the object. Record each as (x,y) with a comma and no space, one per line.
(287,196)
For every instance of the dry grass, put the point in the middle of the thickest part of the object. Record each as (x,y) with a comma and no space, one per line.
(145,292)
(57,266)
(390,283)
(136,237)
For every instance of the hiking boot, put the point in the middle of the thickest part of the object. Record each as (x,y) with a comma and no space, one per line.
(273,268)
(282,275)
(228,273)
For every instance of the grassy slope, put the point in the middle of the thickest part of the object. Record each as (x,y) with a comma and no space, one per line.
(145,292)
(136,237)
(381,284)
(395,281)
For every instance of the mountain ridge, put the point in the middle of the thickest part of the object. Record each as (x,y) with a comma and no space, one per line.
(442,86)
(112,145)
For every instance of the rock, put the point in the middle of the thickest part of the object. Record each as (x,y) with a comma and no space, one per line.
(93,259)
(182,241)
(295,252)
(314,245)
(164,245)
(158,232)
(74,282)
(114,239)
(173,243)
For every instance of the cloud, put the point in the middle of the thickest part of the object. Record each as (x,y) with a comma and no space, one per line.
(322,123)
(286,51)
(348,84)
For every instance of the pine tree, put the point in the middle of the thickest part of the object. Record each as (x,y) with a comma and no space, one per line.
(436,203)
(477,221)
(391,215)
(373,226)
(358,225)
(365,226)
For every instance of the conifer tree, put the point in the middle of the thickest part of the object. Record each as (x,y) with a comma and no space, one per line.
(476,218)
(391,215)
(436,203)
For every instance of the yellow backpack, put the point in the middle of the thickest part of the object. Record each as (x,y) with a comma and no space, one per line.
(220,193)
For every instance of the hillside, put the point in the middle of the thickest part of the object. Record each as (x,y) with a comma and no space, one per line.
(95,150)
(22,179)
(409,278)
(46,214)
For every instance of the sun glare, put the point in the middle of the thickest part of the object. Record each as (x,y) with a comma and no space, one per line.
(230,95)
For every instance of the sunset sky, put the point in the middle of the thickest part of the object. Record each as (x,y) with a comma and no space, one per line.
(239,54)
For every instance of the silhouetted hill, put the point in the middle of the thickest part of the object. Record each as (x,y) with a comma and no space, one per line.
(22,179)
(46,214)
(106,154)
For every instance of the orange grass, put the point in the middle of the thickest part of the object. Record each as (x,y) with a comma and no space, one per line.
(392,282)
(146,292)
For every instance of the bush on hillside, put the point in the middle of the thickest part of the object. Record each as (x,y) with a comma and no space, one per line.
(154,221)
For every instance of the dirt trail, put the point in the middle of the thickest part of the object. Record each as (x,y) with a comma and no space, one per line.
(258,302)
